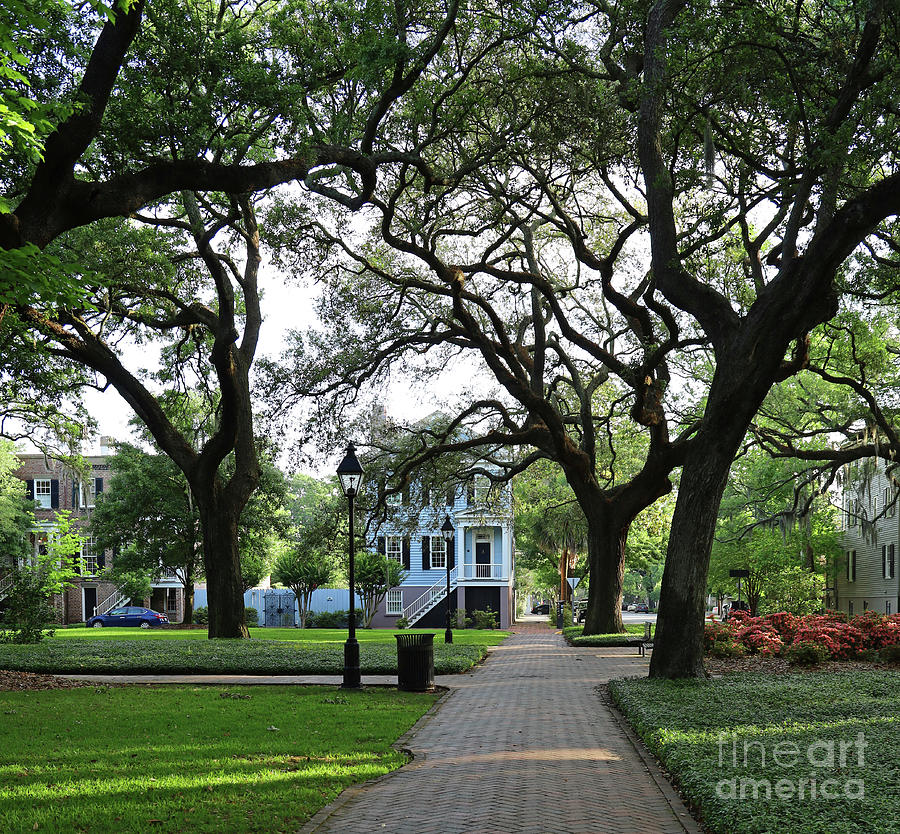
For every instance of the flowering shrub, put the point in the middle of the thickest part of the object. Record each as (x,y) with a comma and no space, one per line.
(841,640)
(784,624)
(775,634)
(877,629)
(758,637)
(720,639)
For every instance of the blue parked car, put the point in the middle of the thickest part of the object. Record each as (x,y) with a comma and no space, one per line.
(129,616)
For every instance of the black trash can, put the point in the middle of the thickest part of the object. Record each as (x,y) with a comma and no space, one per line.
(415,662)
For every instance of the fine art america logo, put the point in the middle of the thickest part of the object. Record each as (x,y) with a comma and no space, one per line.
(823,760)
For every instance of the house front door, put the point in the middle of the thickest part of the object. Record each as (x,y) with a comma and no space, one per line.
(90,602)
(482,556)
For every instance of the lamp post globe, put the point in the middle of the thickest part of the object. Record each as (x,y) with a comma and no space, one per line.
(447,531)
(350,475)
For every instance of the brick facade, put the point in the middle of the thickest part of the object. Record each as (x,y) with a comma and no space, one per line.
(60,488)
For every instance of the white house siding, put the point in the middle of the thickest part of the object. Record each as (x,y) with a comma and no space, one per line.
(871,591)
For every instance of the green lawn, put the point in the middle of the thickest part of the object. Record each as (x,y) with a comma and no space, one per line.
(104,759)
(291,652)
(725,739)
(467,637)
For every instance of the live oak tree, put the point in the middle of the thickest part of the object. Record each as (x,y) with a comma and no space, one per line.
(172,105)
(793,106)
(518,273)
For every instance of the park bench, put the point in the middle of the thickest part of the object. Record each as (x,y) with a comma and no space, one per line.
(646,642)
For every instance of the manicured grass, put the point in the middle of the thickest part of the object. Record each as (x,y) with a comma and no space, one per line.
(207,759)
(632,637)
(787,724)
(466,637)
(251,657)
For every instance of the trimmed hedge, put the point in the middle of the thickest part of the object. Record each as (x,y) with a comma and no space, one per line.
(634,635)
(229,657)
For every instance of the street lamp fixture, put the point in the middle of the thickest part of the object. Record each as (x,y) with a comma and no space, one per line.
(447,532)
(350,474)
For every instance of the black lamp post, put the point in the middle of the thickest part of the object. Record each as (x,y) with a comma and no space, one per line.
(447,532)
(350,474)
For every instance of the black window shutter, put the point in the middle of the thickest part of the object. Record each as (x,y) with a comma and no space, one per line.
(405,495)
(406,552)
(451,496)
(470,491)
(426,495)
(98,486)
(54,494)
(426,552)
(884,560)
(451,551)
(101,559)
(381,546)
(74,494)
(29,490)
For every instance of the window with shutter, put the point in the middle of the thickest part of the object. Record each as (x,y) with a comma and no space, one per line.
(43,492)
(438,552)
(406,557)
(426,552)
(394,548)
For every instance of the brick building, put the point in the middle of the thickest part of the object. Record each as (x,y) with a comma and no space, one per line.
(54,487)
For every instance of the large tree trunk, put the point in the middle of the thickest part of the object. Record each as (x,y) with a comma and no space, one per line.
(224,587)
(606,561)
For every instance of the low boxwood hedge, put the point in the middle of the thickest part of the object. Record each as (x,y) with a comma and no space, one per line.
(231,657)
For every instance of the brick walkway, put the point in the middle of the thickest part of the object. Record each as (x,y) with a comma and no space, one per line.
(522,745)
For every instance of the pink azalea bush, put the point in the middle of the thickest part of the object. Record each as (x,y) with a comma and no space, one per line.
(773,634)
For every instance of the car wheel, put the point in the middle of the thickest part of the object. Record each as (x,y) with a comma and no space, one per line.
(97,624)
(145,624)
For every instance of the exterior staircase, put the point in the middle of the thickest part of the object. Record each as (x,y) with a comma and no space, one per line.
(6,584)
(114,599)
(420,607)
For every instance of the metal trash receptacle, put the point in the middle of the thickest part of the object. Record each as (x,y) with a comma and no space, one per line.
(415,662)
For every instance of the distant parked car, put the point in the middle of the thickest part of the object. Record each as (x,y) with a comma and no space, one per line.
(642,608)
(129,615)
(541,609)
(632,607)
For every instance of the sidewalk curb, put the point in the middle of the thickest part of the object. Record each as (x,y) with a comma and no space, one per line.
(403,744)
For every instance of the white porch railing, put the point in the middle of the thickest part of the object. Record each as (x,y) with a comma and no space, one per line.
(5,585)
(489,570)
(420,607)
(110,602)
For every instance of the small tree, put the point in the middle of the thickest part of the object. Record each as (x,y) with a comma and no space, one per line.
(302,572)
(37,580)
(375,576)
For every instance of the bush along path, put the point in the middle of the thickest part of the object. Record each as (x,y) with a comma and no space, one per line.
(235,657)
(807,640)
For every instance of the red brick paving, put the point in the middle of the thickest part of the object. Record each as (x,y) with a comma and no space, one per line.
(521,745)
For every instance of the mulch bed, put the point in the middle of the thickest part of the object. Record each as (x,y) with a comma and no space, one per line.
(27,681)
(780,666)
